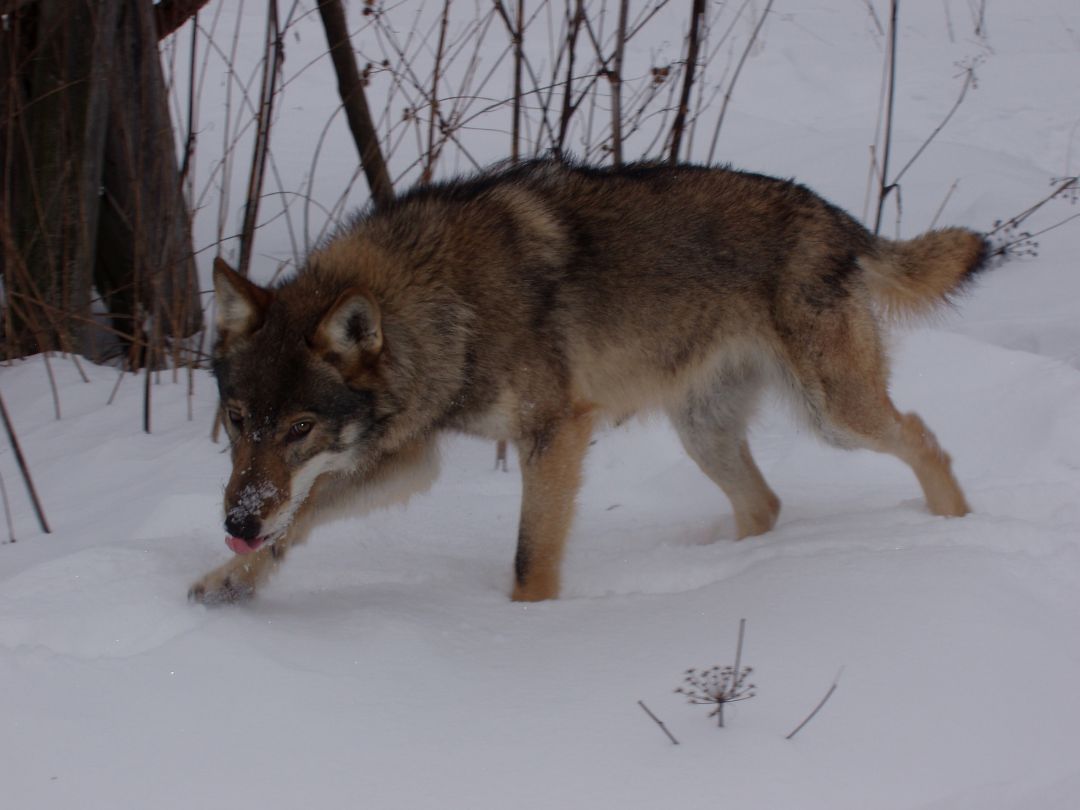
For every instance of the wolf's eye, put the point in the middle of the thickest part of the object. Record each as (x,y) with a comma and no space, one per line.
(299,430)
(235,417)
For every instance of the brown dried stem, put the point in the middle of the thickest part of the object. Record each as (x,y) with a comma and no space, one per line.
(658,722)
(616,78)
(735,77)
(273,53)
(817,708)
(23,468)
(697,14)
(884,186)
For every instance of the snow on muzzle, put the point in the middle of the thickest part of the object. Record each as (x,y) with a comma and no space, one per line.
(244,519)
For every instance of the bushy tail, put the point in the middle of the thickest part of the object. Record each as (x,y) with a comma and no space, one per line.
(911,277)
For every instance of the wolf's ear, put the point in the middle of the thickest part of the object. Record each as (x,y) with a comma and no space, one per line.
(240,305)
(350,333)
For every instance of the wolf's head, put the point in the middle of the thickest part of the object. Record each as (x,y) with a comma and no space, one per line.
(298,370)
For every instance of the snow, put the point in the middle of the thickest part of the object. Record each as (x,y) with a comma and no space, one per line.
(385,665)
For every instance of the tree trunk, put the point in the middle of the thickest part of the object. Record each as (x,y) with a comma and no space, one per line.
(145,266)
(55,101)
(88,171)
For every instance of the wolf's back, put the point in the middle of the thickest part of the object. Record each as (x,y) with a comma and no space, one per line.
(913,276)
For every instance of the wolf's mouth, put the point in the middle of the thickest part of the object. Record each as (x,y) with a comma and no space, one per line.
(241,546)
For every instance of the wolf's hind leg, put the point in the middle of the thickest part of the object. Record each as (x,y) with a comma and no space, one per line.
(843,373)
(877,425)
(551,475)
(712,423)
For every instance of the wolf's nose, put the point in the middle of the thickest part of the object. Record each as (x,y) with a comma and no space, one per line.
(246,527)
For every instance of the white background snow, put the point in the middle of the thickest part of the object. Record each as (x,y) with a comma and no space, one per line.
(385,666)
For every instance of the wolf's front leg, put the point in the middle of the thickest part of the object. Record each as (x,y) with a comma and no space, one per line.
(239,578)
(551,475)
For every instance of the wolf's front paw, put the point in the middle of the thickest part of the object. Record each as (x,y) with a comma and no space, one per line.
(221,587)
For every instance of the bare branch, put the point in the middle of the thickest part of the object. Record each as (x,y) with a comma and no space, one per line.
(885,187)
(735,77)
(1066,185)
(616,78)
(697,13)
(354,99)
(23,468)
(817,708)
(658,722)
(273,53)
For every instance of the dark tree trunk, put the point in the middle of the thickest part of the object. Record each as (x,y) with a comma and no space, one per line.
(91,192)
(145,267)
(55,100)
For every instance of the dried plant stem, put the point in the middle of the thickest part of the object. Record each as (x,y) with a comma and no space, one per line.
(568,105)
(615,76)
(969,80)
(697,14)
(817,708)
(735,77)
(944,202)
(7,511)
(116,387)
(884,187)
(658,722)
(738,646)
(78,367)
(433,149)
(146,390)
(1067,184)
(23,468)
(272,55)
(515,135)
(52,382)
(877,22)
(189,141)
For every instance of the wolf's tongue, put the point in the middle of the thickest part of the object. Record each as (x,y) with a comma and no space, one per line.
(240,546)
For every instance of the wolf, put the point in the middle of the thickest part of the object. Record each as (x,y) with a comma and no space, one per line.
(533,302)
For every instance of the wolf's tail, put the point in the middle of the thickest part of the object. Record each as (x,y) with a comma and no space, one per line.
(911,277)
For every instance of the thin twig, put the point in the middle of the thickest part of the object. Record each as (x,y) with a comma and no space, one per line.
(969,81)
(738,646)
(616,78)
(877,22)
(884,187)
(944,202)
(432,150)
(697,13)
(1003,249)
(23,468)
(735,77)
(189,141)
(1067,184)
(658,722)
(52,383)
(515,126)
(116,387)
(273,52)
(568,106)
(7,511)
(817,708)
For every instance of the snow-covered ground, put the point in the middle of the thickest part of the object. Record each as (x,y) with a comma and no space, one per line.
(385,666)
